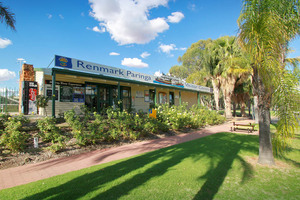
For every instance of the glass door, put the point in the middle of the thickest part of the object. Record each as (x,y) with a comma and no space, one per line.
(113,96)
(151,99)
(103,98)
(126,97)
(171,98)
(91,97)
(100,97)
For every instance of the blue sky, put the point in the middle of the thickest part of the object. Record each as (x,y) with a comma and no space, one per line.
(142,35)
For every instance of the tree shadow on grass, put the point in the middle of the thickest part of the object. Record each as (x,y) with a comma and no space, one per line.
(215,176)
(222,148)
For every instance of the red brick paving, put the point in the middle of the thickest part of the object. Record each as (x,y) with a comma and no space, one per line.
(33,172)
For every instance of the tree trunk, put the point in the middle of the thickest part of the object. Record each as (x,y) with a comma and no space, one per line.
(234,109)
(227,101)
(265,144)
(249,108)
(255,114)
(227,85)
(264,103)
(243,109)
(216,92)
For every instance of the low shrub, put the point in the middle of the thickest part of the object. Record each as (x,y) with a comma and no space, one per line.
(96,129)
(3,118)
(12,137)
(59,145)
(78,126)
(178,117)
(48,131)
(84,131)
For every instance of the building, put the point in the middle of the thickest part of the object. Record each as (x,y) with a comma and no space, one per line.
(76,82)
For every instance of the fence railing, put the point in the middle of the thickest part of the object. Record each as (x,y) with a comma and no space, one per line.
(9,100)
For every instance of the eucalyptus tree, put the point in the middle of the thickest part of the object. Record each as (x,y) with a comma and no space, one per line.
(198,64)
(7,17)
(266,28)
(179,71)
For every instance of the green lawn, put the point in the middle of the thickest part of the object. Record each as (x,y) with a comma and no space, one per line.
(213,167)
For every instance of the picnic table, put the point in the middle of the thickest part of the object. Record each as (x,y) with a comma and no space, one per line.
(238,126)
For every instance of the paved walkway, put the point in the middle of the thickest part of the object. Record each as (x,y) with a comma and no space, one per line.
(33,172)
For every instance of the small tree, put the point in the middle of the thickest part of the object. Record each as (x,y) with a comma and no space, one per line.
(42,102)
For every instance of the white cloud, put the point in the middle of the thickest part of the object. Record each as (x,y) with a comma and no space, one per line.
(61,16)
(158,73)
(145,54)
(49,16)
(96,29)
(82,14)
(167,48)
(4,42)
(114,54)
(134,62)
(176,17)
(192,6)
(6,75)
(128,21)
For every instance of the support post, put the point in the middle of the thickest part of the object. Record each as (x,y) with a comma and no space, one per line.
(198,97)
(119,96)
(155,97)
(1,106)
(180,98)
(53,92)
(6,100)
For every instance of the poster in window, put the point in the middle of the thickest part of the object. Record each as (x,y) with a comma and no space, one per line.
(48,89)
(32,109)
(146,96)
(162,97)
(66,93)
(139,94)
(78,94)
(125,93)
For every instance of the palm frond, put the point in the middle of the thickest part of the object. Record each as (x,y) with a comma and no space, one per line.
(7,17)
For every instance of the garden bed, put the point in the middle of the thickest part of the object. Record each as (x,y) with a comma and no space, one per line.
(78,133)
(32,155)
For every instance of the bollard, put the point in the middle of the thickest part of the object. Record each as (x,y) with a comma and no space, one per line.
(36,142)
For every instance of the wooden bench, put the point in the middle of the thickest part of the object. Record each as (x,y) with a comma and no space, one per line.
(249,127)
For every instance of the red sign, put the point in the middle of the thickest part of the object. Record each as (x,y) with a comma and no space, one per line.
(32,94)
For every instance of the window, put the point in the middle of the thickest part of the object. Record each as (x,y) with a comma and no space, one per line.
(162,97)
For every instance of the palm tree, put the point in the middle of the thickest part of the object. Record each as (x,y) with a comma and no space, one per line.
(232,65)
(266,27)
(242,94)
(7,17)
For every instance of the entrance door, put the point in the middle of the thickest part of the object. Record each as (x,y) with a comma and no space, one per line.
(126,97)
(171,98)
(103,98)
(152,98)
(99,97)
(91,100)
